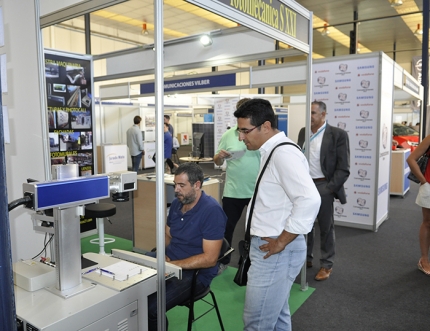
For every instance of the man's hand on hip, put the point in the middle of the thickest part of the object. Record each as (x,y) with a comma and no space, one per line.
(274,246)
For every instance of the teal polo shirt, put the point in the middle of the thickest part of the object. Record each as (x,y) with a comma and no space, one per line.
(241,174)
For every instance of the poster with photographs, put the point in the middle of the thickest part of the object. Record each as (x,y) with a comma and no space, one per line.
(70,110)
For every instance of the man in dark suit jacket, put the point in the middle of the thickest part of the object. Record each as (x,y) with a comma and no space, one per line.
(329,169)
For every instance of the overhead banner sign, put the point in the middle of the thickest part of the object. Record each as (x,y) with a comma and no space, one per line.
(191,83)
(282,20)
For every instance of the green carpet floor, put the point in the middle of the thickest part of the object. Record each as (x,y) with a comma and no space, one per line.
(230,299)
(119,243)
(229,296)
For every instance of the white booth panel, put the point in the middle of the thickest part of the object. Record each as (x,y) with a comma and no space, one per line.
(224,46)
(271,76)
(398,76)
(115,91)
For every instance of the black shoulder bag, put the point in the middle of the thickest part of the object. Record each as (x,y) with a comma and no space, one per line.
(422,163)
(241,277)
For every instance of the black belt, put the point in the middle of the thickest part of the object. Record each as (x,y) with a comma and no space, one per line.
(319,179)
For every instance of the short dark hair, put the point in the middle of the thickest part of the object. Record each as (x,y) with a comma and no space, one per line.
(193,171)
(167,117)
(241,102)
(258,111)
(137,119)
(321,105)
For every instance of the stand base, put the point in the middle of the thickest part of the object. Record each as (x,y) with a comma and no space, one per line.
(84,286)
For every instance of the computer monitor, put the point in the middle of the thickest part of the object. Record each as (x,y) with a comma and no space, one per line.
(198,144)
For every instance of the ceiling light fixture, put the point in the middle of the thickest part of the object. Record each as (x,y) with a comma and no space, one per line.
(418,31)
(144,30)
(325,31)
(206,40)
(396,3)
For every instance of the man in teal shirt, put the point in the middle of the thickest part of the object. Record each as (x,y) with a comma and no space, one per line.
(241,175)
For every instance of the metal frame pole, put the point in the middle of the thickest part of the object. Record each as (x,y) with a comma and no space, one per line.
(159,192)
(303,283)
(425,68)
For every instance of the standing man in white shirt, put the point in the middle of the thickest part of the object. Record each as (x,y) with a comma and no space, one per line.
(135,143)
(241,175)
(329,169)
(285,208)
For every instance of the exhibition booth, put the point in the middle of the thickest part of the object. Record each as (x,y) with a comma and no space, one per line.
(102,295)
(359,90)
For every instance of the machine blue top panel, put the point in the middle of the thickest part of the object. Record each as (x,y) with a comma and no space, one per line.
(70,192)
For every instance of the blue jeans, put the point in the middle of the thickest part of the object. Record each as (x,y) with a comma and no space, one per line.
(269,284)
(135,161)
(177,292)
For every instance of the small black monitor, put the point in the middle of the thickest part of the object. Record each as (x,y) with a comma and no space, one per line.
(198,144)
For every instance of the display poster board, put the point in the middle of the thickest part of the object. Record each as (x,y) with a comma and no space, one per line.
(149,124)
(350,89)
(385,138)
(70,114)
(149,148)
(70,110)
(185,138)
(114,158)
(223,117)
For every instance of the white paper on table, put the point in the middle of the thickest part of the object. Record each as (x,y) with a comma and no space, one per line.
(123,269)
(235,155)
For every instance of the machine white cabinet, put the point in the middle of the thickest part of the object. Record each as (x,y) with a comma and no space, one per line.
(399,182)
(110,305)
(110,293)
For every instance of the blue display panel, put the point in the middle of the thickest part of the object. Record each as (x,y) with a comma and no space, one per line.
(67,192)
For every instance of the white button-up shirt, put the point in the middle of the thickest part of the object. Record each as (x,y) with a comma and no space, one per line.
(315,153)
(287,198)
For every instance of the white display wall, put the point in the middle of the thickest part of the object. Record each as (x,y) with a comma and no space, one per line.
(358,92)
(223,117)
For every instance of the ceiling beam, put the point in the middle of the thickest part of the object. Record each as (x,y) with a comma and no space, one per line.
(369,19)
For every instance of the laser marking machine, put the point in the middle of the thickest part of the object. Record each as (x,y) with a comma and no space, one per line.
(109,295)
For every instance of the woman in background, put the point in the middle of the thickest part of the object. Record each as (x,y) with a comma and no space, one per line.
(423,200)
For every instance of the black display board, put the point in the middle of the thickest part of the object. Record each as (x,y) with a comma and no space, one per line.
(70,110)
(69,84)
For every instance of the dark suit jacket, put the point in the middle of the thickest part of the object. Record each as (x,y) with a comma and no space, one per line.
(334,158)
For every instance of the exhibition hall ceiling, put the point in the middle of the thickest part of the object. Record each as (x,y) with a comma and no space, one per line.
(382,27)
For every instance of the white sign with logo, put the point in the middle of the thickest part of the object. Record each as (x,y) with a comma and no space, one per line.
(351,91)
(114,158)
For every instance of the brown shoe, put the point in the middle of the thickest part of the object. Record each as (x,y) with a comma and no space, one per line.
(323,274)
(309,264)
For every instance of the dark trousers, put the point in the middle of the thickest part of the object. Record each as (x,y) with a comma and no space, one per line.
(233,208)
(177,292)
(326,225)
(135,161)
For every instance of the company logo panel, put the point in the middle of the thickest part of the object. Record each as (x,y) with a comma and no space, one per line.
(343,69)
(340,211)
(321,82)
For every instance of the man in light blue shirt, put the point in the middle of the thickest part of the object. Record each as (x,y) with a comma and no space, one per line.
(135,143)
